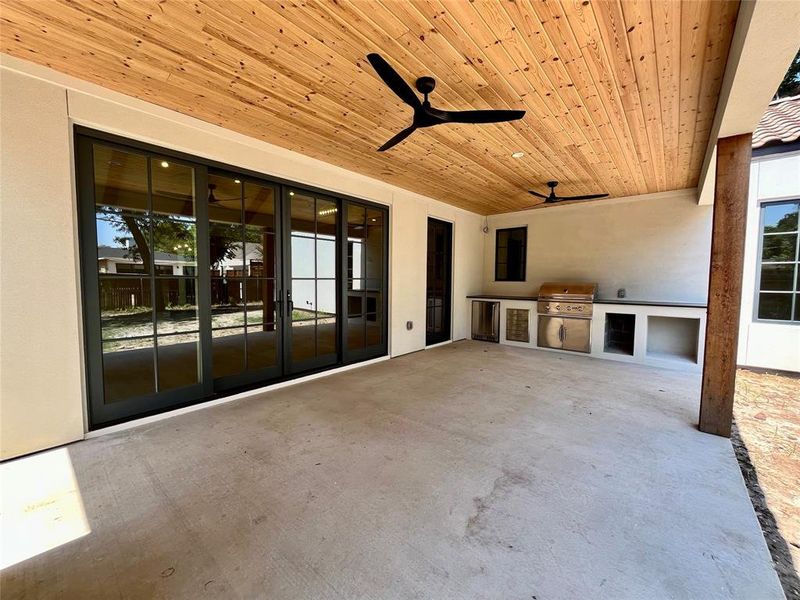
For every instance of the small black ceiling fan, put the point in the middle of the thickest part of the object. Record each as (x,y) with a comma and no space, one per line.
(552,198)
(424,114)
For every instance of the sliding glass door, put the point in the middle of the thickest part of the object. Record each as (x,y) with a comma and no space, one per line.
(140,275)
(244,270)
(200,279)
(311,300)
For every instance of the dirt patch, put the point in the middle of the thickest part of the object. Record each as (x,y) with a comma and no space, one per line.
(766,438)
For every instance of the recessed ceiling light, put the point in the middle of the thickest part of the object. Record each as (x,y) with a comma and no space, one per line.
(517,154)
(164,164)
(237,181)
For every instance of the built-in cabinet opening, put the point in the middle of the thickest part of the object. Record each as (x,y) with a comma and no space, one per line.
(620,332)
(201,279)
(673,338)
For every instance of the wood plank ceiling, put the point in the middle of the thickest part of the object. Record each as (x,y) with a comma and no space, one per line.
(620,95)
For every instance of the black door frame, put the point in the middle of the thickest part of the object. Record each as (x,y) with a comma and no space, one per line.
(104,415)
(446,334)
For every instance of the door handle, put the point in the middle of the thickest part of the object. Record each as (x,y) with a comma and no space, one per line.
(289,304)
(561,334)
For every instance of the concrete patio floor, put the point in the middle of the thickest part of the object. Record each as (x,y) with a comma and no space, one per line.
(468,471)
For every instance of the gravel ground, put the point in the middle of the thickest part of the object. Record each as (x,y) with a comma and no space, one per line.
(767,442)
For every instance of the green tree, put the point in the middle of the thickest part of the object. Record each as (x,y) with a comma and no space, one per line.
(790,86)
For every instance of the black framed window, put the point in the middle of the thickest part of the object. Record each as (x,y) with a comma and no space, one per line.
(509,256)
(778,289)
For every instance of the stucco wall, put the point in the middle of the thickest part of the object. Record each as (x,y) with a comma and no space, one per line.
(767,344)
(657,247)
(42,401)
(40,349)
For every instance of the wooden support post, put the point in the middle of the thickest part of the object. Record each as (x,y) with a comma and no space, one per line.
(725,284)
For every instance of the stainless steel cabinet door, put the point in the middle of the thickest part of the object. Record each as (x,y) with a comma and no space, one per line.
(550,332)
(575,334)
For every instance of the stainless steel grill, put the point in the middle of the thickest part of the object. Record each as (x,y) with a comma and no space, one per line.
(565,315)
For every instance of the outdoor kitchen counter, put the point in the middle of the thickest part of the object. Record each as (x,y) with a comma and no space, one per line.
(597,301)
(659,333)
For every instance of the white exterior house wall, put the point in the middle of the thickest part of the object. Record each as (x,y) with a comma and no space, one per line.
(656,246)
(42,396)
(767,344)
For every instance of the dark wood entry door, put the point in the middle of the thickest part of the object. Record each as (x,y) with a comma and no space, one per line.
(440,243)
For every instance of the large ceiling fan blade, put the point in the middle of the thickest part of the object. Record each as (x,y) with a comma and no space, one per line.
(398,138)
(589,197)
(480,116)
(537,194)
(392,79)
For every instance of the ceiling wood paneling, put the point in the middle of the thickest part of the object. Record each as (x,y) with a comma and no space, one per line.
(620,96)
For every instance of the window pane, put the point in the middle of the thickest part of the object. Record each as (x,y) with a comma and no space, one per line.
(356,217)
(259,218)
(175,244)
(173,187)
(326,336)
(227,306)
(120,179)
(356,301)
(128,369)
(374,329)
(262,347)
(176,305)
(780,217)
(123,241)
(326,218)
(777,277)
(502,239)
(326,298)
(227,351)
(260,301)
(775,306)
(355,333)
(374,296)
(374,244)
(302,255)
(304,297)
(125,307)
(224,199)
(780,247)
(177,361)
(326,258)
(225,249)
(510,254)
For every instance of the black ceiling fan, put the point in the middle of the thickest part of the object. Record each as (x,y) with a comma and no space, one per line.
(552,198)
(424,114)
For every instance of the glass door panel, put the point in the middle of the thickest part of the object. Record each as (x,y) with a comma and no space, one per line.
(261,290)
(145,279)
(199,280)
(226,258)
(364,292)
(437,326)
(243,259)
(311,293)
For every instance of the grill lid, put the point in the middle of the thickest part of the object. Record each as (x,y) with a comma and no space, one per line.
(567,291)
